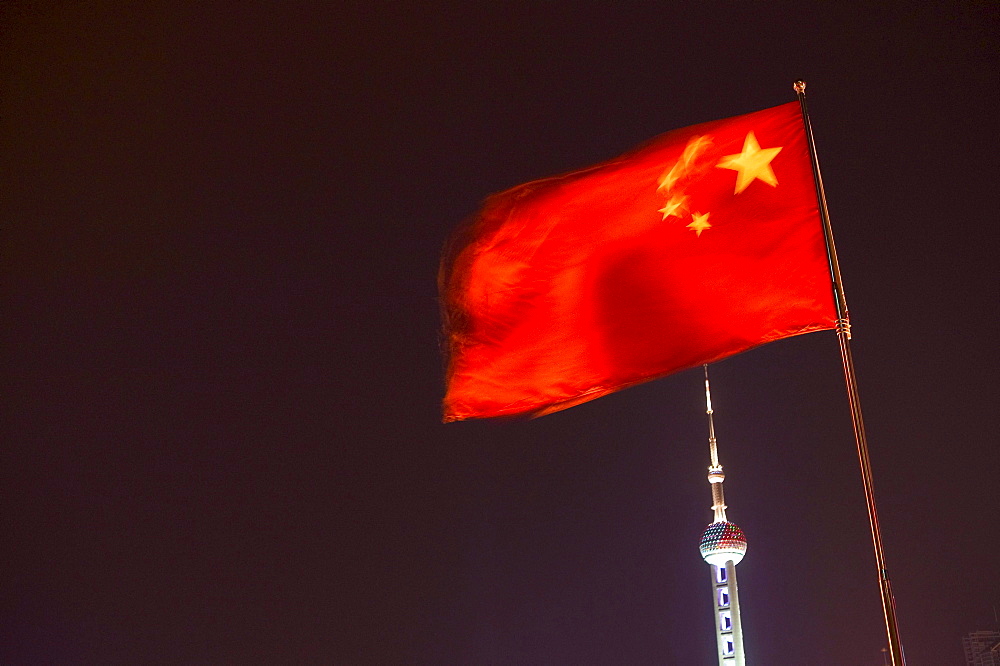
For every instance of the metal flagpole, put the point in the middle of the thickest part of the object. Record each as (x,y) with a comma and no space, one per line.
(844,338)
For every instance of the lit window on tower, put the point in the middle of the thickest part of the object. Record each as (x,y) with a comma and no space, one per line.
(723,596)
(729,648)
(720,574)
(725,621)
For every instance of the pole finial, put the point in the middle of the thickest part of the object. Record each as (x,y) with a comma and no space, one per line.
(799,87)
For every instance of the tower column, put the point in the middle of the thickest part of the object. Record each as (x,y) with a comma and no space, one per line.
(734,592)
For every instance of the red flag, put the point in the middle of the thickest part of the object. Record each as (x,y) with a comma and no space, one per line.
(700,244)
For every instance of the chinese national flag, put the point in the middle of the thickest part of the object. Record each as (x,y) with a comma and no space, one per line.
(700,244)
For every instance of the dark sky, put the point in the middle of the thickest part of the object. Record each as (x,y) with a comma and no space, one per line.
(222,437)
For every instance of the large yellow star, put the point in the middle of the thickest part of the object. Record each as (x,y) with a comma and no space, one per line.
(751,164)
(672,206)
(699,223)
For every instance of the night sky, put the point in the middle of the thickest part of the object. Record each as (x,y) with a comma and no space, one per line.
(222,438)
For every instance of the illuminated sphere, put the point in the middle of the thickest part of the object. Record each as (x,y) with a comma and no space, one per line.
(721,542)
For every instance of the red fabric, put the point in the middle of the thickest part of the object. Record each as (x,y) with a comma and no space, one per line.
(567,288)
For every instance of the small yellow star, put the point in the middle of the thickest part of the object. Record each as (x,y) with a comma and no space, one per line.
(753,163)
(668,179)
(694,148)
(699,223)
(672,206)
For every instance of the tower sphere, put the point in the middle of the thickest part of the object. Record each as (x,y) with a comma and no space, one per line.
(721,542)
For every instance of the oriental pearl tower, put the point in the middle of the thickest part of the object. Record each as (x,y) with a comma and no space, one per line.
(723,546)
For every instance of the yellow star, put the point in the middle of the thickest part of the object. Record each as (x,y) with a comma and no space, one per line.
(672,206)
(668,179)
(699,223)
(695,146)
(752,163)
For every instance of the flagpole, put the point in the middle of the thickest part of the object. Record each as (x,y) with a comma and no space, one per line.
(844,339)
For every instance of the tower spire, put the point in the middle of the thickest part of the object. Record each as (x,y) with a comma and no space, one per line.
(715,475)
(723,546)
